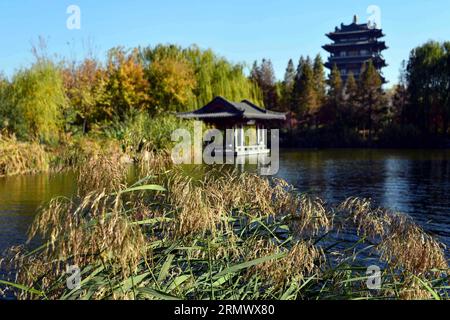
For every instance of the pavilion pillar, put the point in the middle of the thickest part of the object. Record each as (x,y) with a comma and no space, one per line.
(262,132)
(236,138)
(258,135)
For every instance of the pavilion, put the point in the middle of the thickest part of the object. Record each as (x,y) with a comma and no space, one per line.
(234,117)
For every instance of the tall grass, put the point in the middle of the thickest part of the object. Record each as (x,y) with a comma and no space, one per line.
(17,157)
(225,236)
(142,131)
(21,157)
(125,142)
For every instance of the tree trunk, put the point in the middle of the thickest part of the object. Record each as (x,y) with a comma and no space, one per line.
(84,126)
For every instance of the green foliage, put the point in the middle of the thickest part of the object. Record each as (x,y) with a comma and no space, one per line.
(285,88)
(335,85)
(330,111)
(35,102)
(4,103)
(289,76)
(306,101)
(142,130)
(348,108)
(370,97)
(213,76)
(47,99)
(264,76)
(428,77)
(319,79)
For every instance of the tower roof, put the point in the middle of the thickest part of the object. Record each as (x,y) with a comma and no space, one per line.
(355,29)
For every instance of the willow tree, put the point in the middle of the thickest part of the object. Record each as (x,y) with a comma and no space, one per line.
(216,76)
(211,74)
(36,102)
(4,110)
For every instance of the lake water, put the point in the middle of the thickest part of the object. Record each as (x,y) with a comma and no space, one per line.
(416,182)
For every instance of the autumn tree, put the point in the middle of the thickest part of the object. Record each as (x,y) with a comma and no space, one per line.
(172,82)
(84,85)
(127,87)
(213,75)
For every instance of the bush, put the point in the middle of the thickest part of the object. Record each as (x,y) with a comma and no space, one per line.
(143,131)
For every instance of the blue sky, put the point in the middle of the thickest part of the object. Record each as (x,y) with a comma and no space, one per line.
(240,30)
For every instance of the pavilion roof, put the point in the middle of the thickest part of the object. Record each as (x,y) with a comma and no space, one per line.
(220,108)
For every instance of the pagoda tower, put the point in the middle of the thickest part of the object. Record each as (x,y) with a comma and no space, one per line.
(353,45)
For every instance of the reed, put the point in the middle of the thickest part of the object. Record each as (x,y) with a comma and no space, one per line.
(21,157)
(224,236)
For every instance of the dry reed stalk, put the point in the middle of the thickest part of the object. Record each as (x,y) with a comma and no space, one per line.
(82,234)
(401,242)
(21,157)
(100,227)
(301,260)
(103,172)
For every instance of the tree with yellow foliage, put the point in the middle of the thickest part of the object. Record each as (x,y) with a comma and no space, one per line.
(127,87)
(171,82)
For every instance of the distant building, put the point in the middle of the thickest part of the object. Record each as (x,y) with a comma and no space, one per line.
(235,117)
(354,45)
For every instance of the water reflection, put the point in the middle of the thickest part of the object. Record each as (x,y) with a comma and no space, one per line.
(21,196)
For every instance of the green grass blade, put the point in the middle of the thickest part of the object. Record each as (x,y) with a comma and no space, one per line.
(157,294)
(22,287)
(178,281)
(249,264)
(429,289)
(165,268)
